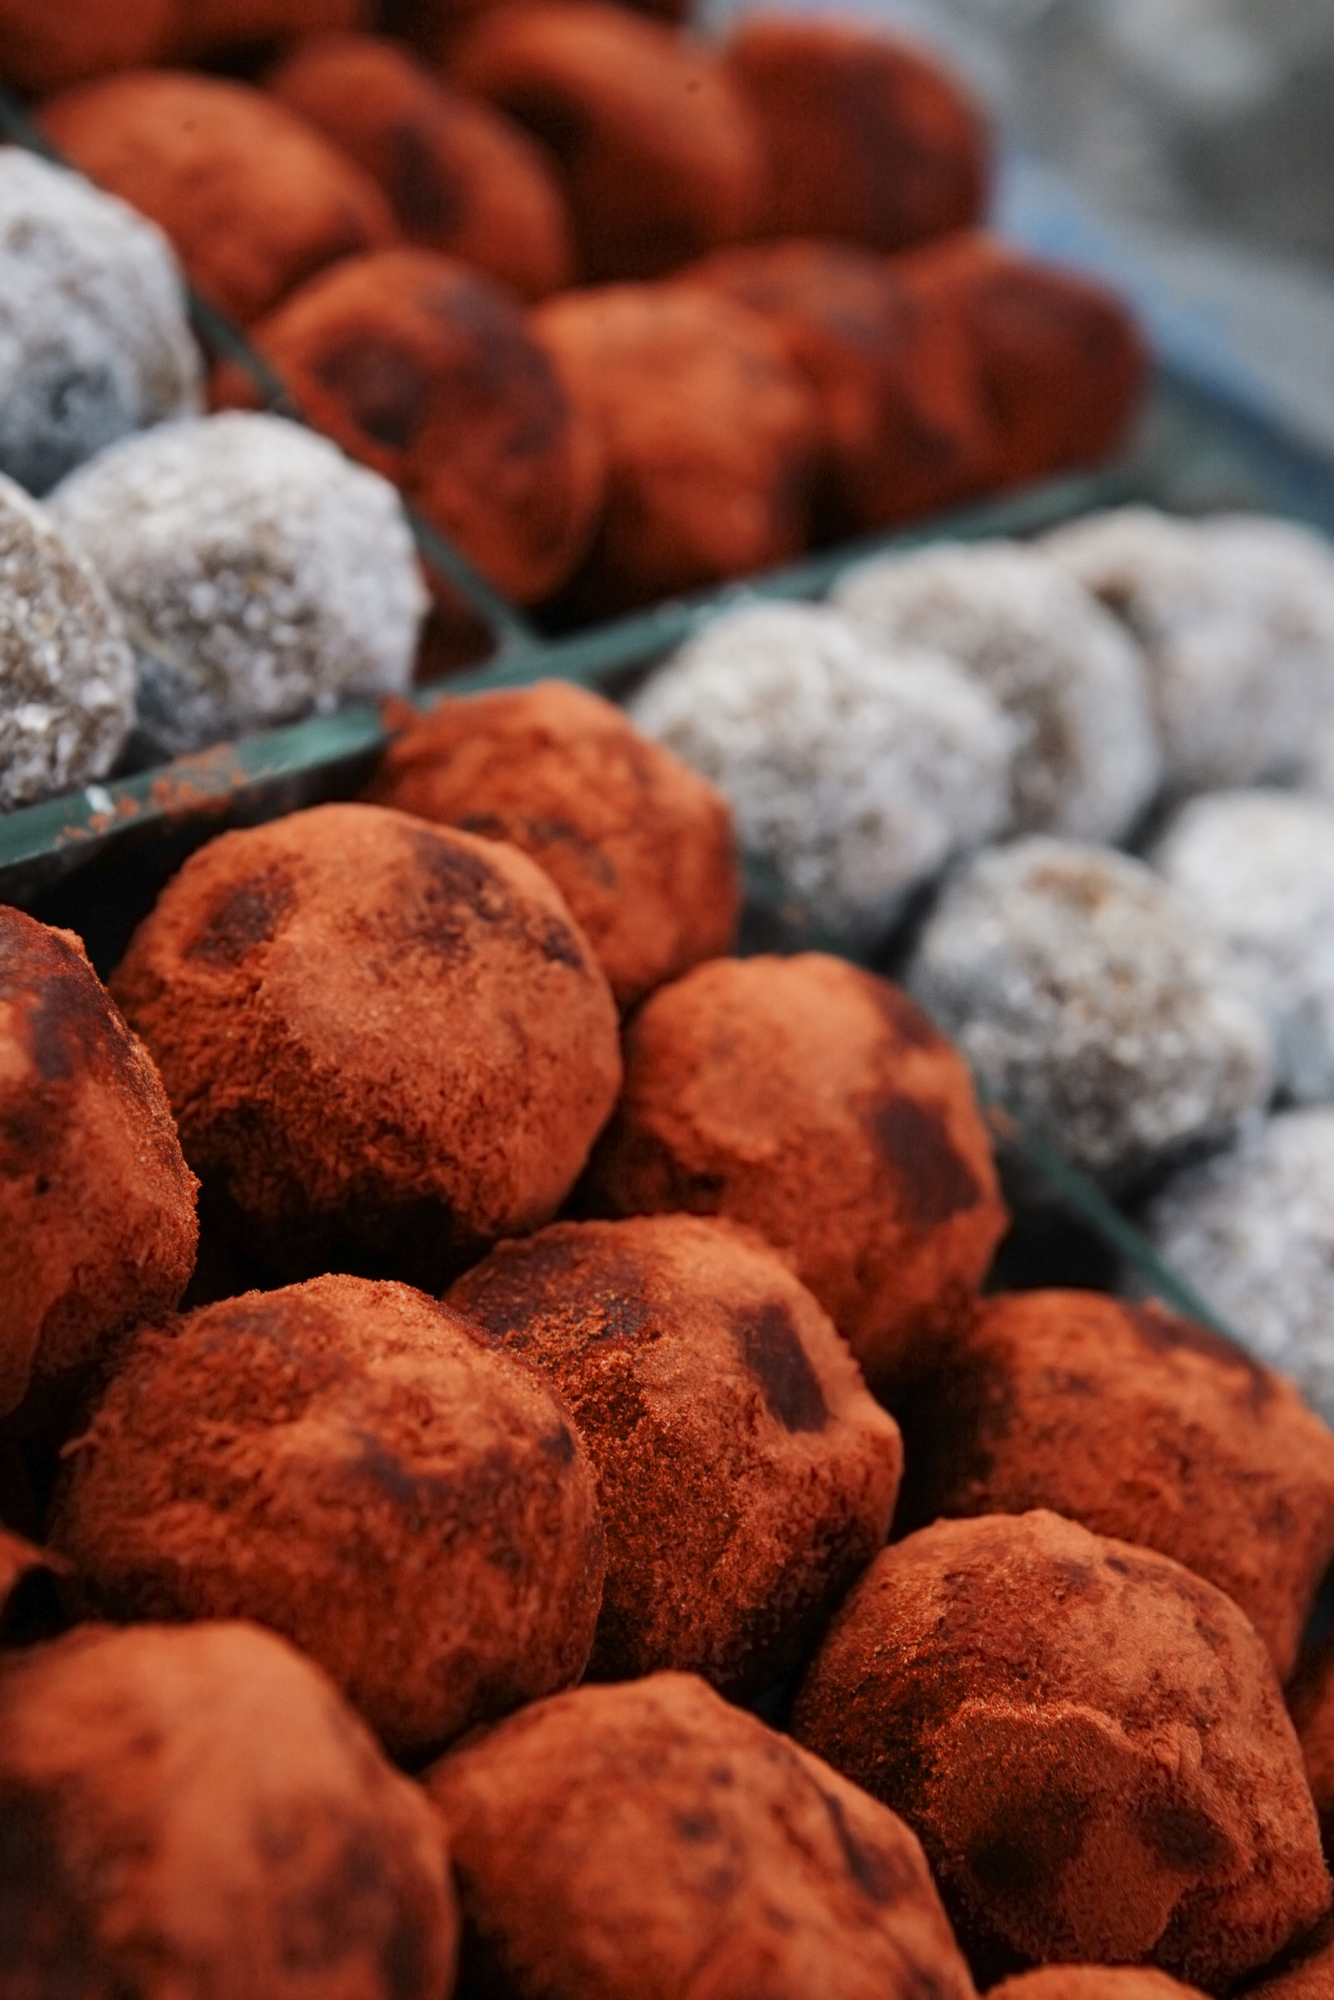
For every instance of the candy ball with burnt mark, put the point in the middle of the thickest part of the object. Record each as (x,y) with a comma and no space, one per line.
(423,369)
(1061,364)
(462,179)
(713,437)
(43,47)
(650,1840)
(251,197)
(816,1103)
(345,1462)
(1089,1741)
(640,847)
(656,149)
(97,1205)
(907,430)
(746,1476)
(866,137)
(196,1811)
(1138,1424)
(388,1044)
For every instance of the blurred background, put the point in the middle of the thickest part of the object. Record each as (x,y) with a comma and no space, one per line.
(1188,143)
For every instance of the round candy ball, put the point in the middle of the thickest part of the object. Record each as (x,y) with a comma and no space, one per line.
(461,178)
(712,437)
(652,1840)
(746,1476)
(423,368)
(1259,867)
(907,429)
(67,680)
(814,1102)
(97,1206)
(1135,1423)
(346,1463)
(855,771)
(639,846)
(259,574)
(253,199)
(656,149)
(1254,1231)
(1087,761)
(866,137)
(94,341)
(1090,1743)
(388,1044)
(1092,1004)
(42,47)
(194,1810)
(1236,619)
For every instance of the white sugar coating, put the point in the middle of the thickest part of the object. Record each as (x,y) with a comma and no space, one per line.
(853,772)
(1253,1231)
(1092,1004)
(260,574)
(94,341)
(1236,618)
(1057,662)
(1258,867)
(66,673)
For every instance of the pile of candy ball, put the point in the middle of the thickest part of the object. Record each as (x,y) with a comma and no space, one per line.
(619,310)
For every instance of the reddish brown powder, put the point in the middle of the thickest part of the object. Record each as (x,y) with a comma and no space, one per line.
(651,1841)
(906,426)
(461,178)
(815,1102)
(638,844)
(713,437)
(387,1043)
(1137,1424)
(656,149)
(43,46)
(1089,1741)
(346,1463)
(1062,365)
(97,1205)
(423,368)
(866,136)
(253,198)
(195,1811)
(745,1475)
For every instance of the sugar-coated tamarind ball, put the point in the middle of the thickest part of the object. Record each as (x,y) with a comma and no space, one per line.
(347,1463)
(814,1102)
(97,1205)
(657,150)
(907,430)
(44,46)
(650,1840)
(1089,1741)
(253,199)
(866,136)
(1137,1424)
(1062,364)
(746,1476)
(193,1810)
(388,1044)
(713,437)
(461,178)
(638,844)
(424,369)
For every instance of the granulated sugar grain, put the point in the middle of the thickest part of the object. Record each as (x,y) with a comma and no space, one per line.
(853,770)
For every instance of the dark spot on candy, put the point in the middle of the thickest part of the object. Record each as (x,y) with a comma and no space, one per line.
(558,947)
(903,1015)
(459,884)
(697,1826)
(772,1349)
(426,201)
(49,1947)
(384,390)
(876,1874)
(403,1961)
(1020,1855)
(936,1182)
(558,1446)
(1166,1332)
(1181,1835)
(245,919)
